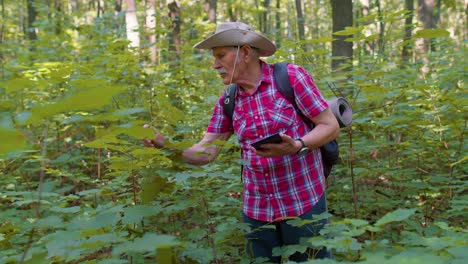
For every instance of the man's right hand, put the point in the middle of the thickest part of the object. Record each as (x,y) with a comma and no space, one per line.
(157,142)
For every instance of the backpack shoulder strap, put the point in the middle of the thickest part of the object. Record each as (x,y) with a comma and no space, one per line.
(284,87)
(228,103)
(280,71)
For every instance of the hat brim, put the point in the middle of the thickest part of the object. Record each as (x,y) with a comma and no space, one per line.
(236,37)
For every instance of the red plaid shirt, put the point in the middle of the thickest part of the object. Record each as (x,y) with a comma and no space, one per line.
(281,187)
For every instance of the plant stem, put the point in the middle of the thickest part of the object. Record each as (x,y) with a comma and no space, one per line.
(351,167)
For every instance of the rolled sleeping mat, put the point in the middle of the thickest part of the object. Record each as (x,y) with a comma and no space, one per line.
(342,111)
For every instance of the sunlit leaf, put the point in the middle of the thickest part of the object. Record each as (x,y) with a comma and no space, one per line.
(347,31)
(432,33)
(12,140)
(395,216)
(148,243)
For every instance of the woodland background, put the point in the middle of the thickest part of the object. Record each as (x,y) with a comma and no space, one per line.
(79,78)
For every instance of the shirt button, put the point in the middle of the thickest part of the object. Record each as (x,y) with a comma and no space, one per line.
(271,195)
(266,175)
(256,117)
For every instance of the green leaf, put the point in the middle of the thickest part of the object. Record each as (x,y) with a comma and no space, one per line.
(432,33)
(86,98)
(134,214)
(152,188)
(52,221)
(148,243)
(347,31)
(66,210)
(464,159)
(395,216)
(12,140)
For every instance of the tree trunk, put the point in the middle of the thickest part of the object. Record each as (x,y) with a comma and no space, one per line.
(174,44)
(232,14)
(211,9)
(100,8)
(150,28)
(342,51)
(406,53)
(58,17)
(2,39)
(264,25)
(427,18)
(380,28)
(300,20)
(32,13)
(369,46)
(278,24)
(131,22)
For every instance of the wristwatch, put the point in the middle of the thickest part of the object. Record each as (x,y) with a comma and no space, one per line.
(303,150)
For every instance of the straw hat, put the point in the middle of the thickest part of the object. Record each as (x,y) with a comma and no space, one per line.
(237,34)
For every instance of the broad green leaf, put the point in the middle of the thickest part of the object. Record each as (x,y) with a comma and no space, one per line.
(23,84)
(66,210)
(52,221)
(322,40)
(166,254)
(139,132)
(134,214)
(100,240)
(152,188)
(86,98)
(148,243)
(431,33)
(464,159)
(103,220)
(347,31)
(395,216)
(12,140)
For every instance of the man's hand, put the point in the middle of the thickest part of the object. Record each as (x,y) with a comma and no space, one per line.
(157,142)
(287,147)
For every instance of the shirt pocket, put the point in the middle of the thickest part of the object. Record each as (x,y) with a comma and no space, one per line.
(239,124)
(282,115)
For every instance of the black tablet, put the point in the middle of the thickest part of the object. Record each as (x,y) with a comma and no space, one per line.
(276,138)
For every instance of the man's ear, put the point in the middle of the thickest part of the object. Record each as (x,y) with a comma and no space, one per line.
(247,52)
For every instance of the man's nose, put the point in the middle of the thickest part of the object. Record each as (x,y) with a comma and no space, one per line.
(216,64)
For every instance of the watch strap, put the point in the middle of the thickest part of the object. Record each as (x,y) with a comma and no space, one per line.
(303,144)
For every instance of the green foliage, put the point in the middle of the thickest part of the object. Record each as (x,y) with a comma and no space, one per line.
(77,185)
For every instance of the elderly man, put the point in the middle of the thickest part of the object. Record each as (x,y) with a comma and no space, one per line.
(283,180)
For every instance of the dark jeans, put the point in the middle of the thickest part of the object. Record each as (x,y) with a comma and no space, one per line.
(265,236)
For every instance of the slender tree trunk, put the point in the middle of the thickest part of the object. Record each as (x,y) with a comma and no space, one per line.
(2,39)
(119,21)
(406,53)
(427,18)
(381,27)
(58,17)
(426,11)
(264,25)
(100,8)
(369,46)
(211,9)
(342,51)
(150,28)
(278,24)
(32,13)
(131,22)
(300,20)
(174,14)
(232,13)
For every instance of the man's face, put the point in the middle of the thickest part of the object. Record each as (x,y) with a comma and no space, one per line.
(224,61)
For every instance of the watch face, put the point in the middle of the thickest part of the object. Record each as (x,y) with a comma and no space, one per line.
(303,151)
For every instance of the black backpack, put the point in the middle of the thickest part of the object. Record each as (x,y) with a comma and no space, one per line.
(330,151)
